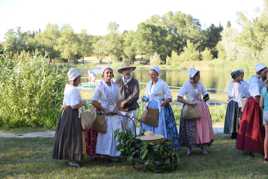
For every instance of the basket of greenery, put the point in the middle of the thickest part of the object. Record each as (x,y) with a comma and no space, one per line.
(147,155)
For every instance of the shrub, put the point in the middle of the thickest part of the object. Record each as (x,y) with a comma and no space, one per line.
(189,53)
(207,55)
(31,92)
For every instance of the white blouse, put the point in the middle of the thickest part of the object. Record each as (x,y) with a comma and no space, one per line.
(255,86)
(234,92)
(107,96)
(158,91)
(244,89)
(71,95)
(192,92)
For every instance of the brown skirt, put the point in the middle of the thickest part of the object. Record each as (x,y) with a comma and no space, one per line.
(68,137)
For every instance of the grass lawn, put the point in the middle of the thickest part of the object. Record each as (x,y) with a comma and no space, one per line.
(31,158)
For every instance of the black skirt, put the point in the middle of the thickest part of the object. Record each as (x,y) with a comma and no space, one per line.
(68,137)
(232,119)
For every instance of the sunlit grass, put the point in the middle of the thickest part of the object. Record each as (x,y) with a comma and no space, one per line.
(31,158)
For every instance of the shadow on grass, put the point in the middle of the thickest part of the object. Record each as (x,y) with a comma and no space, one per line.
(31,158)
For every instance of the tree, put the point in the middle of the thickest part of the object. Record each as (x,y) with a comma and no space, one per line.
(47,41)
(228,47)
(129,46)
(114,42)
(212,35)
(100,49)
(68,44)
(190,53)
(18,41)
(85,44)
(254,36)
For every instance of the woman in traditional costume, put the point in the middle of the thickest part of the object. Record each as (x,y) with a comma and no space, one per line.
(158,91)
(251,133)
(105,100)
(234,105)
(195,132)
(68,139)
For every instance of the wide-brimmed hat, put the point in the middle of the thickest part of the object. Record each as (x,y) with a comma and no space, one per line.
(120,70)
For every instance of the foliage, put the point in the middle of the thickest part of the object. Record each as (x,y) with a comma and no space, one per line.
(31,92)
(173,59)
(189,53)
(206,55)
(155,157)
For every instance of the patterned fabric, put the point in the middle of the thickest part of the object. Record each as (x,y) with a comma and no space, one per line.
(172,132)
(187,133)
(91,140)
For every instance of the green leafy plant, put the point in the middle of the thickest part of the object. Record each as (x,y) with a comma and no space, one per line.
(31,92)
(156,157)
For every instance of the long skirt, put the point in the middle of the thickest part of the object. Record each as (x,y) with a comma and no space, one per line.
(68,137)
(251,132)
(107,142)
(197,131)
(166,126)
(232,119)
(91,141)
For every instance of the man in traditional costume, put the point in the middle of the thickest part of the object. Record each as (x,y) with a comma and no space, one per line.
(128,95)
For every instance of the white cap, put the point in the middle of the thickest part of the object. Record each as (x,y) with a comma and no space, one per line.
(73,73)
(241,70)
(260,67)
(156,69)
(105,68)
(192,72)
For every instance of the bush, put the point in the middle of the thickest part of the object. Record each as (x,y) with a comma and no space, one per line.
(207,55)
(156,157)
(189,53)
(173,60)
(31,92)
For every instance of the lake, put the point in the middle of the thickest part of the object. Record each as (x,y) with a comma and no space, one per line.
(215,81)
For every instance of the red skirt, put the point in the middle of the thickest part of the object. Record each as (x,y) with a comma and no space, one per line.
(91,140)
(250,136)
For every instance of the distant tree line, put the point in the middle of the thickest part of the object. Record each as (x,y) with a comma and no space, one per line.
(167,39)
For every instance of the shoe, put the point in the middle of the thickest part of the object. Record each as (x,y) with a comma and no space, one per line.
(265,160)
(189,152)
(204,150)
(74,164)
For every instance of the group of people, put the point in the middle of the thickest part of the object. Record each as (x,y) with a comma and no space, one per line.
(246,118)
(116,97)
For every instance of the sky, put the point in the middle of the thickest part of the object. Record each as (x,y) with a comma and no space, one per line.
(94,15)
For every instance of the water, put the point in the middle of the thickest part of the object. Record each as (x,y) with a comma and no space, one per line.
(214,80)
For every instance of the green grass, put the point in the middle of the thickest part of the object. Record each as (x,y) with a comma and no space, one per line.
(31,158)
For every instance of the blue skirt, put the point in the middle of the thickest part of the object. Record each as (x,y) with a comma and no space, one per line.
(166,126)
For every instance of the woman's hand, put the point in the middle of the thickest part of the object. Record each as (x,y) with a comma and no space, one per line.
(165,102)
